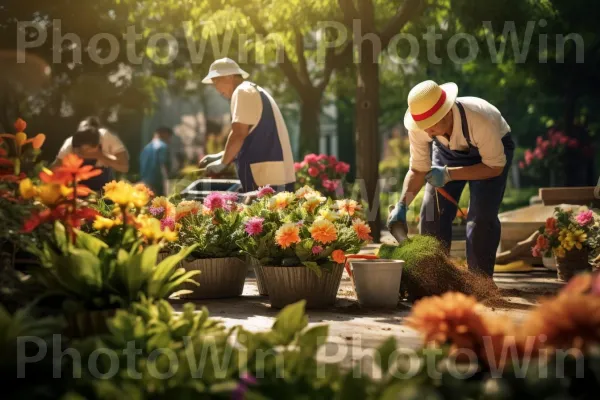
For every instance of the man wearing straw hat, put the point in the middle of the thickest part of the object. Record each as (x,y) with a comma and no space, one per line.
(455,140)
(259,143)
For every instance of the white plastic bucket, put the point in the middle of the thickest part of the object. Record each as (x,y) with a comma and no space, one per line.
(377,282)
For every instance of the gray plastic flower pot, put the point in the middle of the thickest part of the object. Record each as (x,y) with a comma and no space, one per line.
(377,282)
(219,278)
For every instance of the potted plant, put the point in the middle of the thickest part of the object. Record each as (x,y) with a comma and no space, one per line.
(94,274)
(213,228)
(301,240)
(570,237)
(322,172)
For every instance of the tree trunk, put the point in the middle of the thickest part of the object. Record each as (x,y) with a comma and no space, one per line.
(345,132)
(367,135)
(310,124)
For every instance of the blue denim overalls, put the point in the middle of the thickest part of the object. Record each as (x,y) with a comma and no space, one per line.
(483,225)
(262,145)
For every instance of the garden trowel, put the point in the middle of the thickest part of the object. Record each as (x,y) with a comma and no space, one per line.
(398,229)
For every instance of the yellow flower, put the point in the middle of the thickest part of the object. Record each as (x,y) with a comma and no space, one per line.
(50,194)
(163,202)
(328,215)
(27,189)
(102,223)
(312,202)
(559,252)
(170,236)
(323,231)
(187,207)
(20,139)
(120,193)
(287,235)
(281,201)
(150,228)
(139,197)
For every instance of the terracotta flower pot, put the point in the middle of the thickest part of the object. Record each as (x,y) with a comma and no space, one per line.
(260,277)
(288,285)
(219,278)
(88,323)
(573,262)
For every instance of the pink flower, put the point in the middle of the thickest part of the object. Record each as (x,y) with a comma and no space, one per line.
(156,211)
(330,185)
(573,143)
(254,226)
(214,201)
(265,191)
(342,168)
(545,145)
(317,250)
(539,140)
(297,167)
(564,140)
(528,156)
(538,154)
(522,164)
(585,218)
(310,158)
(168,222)
(322,167)
(322,157)
(313,171)
(333,160)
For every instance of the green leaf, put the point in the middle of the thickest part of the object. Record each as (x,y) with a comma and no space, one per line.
(80,272)
(290,321)
(310,341)
(313,266)
(353,388)
(384,353)
(224,387)
(89,242)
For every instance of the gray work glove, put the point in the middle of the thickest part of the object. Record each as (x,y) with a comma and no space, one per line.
(209,159)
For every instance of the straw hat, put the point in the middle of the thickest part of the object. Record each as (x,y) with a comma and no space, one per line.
(428,103)
(224,67)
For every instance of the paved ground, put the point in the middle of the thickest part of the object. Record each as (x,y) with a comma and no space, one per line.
(353,330)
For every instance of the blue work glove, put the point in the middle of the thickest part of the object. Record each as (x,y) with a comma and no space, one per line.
(398,214)
(438,176)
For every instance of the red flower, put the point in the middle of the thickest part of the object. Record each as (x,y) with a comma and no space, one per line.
(538,154)
(528,156)
(313,171)
(333,161)
(310,159)
(563,139)
(573,143)
(297,167)
(521,164)
(551,226)
(342,168)
(539,140)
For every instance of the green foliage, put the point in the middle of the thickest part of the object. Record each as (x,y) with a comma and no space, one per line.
(90,275)
(215,235)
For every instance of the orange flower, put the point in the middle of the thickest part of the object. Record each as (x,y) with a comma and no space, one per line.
(186,208)
(323,231)
(551,225)
(567,321)
(287,235)
(338,256)
(347,207)
(20,125)
(362,229)
(72,168)
(163,202)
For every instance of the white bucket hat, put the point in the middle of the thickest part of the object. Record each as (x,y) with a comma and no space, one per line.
(428,103)
(224,67)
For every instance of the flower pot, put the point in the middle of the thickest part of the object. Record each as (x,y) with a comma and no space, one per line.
(219,278)
(550,263)
(88,323)
(288,285)
(377,282)
(573,262)
(260,277)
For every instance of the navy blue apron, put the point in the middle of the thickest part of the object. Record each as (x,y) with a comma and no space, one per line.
(97,183)
(262,145)
(483,225)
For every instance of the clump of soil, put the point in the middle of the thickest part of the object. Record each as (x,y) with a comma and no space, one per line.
(429,271)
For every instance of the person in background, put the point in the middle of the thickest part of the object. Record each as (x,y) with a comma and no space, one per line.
(258,143)
(99,148)
(155,162)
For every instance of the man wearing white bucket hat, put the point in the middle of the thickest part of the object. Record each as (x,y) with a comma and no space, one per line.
(259,143)
(455,140)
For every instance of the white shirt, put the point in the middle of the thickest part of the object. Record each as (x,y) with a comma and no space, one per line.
(487,127)
(110,143)
(247,108)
